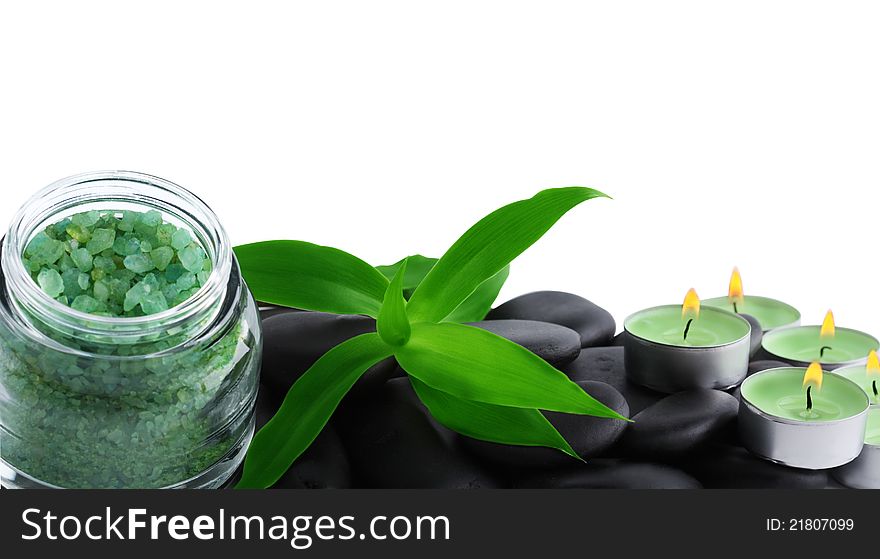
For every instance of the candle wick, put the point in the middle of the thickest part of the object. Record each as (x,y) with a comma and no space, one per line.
(874,385)
(810,398)
(687,328)
(735,310)
(822,350)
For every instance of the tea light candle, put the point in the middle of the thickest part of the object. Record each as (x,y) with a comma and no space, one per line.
(673,348)
(803,418)
(867,376)
(770,313)
(864,471)
(830,346)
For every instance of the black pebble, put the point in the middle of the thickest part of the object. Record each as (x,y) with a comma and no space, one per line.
(324,465)
(733,467)
(611,474)
(758,366)
(588,436)
(594,324)
(393,443)
(293,341)
(606,364)
(679,424)
(757,334)
(553,343)
(267,311)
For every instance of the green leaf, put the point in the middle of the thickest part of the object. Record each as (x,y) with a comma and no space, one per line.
(311,277)
(477,365)
(393,325)
(307,408)
(417,267)
(487,422)
(478,305)
(473,309)
(487,247)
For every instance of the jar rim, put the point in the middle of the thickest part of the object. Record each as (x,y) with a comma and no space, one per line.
(127,187)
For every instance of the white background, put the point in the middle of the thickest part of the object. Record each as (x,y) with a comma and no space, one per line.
(735,133)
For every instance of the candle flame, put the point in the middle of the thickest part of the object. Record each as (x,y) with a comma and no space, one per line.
(691,306)
(827,330)
(813,376)
(873,366)
(735,291)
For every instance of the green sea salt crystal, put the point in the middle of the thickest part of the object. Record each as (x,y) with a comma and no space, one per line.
(181,239)
(101,240)
(161,257)
(50,281)
(164,234)
(117,263)
(82,258)
(192,258)
(138,263)
(85,303)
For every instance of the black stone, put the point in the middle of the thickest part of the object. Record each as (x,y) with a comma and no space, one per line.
(611,474)
(679,424)
(553,343)
(324,465)
(733,467)
(619,340)
(594,324)
(758,366)
(757,334)
(588,436)
(293,341)
(606,364)
(393,443)
(267,311)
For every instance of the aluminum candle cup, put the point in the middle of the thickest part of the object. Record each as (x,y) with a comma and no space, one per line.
(714,355)
(774,422)
(770,313)
(864,471)
(803,345)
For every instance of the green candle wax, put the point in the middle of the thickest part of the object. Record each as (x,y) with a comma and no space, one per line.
(872,435)
(859,375)
(665,325)
(780,393)
(769,312)
(803,344)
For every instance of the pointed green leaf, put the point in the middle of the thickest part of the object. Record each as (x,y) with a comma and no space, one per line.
(307,408)
(479,303)
(311,277)
(487,247)
(473,309)
(417,267)
(477,365)
(393,325)
(487,422)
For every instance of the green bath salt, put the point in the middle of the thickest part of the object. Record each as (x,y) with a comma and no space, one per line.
(117,264)
(123,385)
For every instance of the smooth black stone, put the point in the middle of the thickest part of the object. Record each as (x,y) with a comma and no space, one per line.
(553,343)
(679,424)
(392,443)
(757,334)
(611,474)
(733,467)
(588,436)
(267,311)
(594,324)
(758,366)
(293,341)
(606,364)
(619,340)
(324,465)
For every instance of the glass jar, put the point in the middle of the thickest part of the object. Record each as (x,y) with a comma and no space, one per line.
(158,401)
